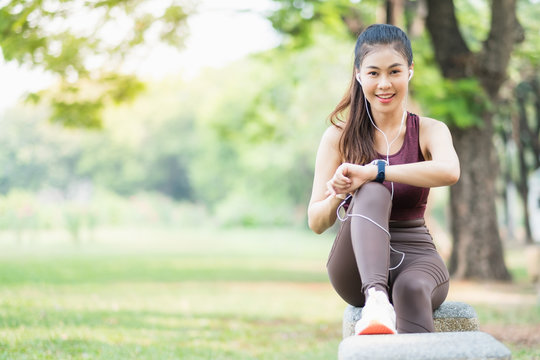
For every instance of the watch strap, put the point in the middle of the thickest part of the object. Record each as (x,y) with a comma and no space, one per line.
(381,164)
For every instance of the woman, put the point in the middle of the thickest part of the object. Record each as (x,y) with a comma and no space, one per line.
(378,162)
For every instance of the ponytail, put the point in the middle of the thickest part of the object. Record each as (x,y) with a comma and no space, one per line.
(357,140)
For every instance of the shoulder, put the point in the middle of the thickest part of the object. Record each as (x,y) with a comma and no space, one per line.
(329,146)
(332,136)
(433,133)
(432,126)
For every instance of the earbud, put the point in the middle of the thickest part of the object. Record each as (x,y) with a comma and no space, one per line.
(411,72)
(358,78)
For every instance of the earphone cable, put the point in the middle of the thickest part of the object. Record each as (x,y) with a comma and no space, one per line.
(388,146)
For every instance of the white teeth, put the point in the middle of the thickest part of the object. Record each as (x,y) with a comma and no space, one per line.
(385,97)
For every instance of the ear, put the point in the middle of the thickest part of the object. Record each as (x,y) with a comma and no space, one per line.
(358,78)
(411,71)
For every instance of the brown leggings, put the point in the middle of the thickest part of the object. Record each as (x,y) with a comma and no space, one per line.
(360,259)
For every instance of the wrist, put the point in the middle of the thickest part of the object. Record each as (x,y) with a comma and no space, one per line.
(373,170)
(380,174)
(334,199)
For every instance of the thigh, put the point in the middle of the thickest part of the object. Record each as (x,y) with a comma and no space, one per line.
(422,273)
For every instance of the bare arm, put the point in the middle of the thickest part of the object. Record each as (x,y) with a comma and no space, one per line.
(441,167)
(322,206)
(332,178)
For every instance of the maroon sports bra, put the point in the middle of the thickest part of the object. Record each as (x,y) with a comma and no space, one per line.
(409,201)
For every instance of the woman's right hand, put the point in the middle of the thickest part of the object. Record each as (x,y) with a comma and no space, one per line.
(349,177)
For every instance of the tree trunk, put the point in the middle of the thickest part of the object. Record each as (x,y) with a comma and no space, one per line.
(524,131)
(534,133)
(477,250)
(523,188)
(394,12)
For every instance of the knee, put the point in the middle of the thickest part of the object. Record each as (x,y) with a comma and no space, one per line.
(413,291)
(371,195)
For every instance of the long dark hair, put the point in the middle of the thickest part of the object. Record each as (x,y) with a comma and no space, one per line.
(357,140)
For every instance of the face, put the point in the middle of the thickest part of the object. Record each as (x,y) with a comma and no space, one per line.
(384,73)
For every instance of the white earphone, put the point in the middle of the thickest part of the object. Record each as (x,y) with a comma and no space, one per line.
(411,72)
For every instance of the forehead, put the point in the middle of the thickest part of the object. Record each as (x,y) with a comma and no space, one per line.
(383,56)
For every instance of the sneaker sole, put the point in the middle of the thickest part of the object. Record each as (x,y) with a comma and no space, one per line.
(376,328)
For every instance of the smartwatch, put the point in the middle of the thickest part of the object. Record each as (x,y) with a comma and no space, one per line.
(381,164)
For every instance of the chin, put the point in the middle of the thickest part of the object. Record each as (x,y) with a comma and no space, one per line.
(388,108)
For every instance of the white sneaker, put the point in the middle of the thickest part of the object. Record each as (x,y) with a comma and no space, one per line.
(378,315)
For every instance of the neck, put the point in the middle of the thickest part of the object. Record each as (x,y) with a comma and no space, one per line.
(389,120)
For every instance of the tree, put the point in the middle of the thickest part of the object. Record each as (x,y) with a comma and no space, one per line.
(464,99)
(477,248)
(520,101)
(85,44)
(521,138)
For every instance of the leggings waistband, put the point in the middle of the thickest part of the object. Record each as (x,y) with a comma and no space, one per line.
(407,223)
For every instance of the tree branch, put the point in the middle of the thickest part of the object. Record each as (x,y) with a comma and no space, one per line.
(505,32)
(451,51)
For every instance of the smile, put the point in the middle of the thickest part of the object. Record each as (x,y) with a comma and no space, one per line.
(385,97)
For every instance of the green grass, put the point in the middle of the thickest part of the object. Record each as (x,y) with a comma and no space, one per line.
(170,294)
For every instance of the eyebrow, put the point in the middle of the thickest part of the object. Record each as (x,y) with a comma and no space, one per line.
(391,66)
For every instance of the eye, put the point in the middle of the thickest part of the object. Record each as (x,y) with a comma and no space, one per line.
(395,72)
(372,73)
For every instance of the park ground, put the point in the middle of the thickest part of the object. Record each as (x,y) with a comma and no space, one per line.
(203,294)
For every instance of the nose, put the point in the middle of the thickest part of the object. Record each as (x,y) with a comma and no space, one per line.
(384,82)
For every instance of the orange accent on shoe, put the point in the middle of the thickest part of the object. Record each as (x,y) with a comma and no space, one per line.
(376,328)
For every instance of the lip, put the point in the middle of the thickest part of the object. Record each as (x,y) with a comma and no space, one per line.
(386,99)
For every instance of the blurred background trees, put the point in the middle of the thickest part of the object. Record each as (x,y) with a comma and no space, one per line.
(86,44)
(235,146)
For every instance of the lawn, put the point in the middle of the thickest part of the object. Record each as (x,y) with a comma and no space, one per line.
(192,294)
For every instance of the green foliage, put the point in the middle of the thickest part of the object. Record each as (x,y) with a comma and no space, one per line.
(77,114)
(474,21)
(523,73)
(262,129)
(460,103)
(245,149)
(26,215)
(528,51)
(52,36)
(302,20)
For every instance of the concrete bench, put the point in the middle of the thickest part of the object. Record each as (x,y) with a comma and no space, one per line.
(474,345)
(451,316)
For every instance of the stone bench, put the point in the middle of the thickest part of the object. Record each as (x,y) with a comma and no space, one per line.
(475,345)
(456,338)
(451,316)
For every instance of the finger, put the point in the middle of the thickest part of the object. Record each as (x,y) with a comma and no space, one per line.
(330,188)
(342,182)
(340,175)
(344,169)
